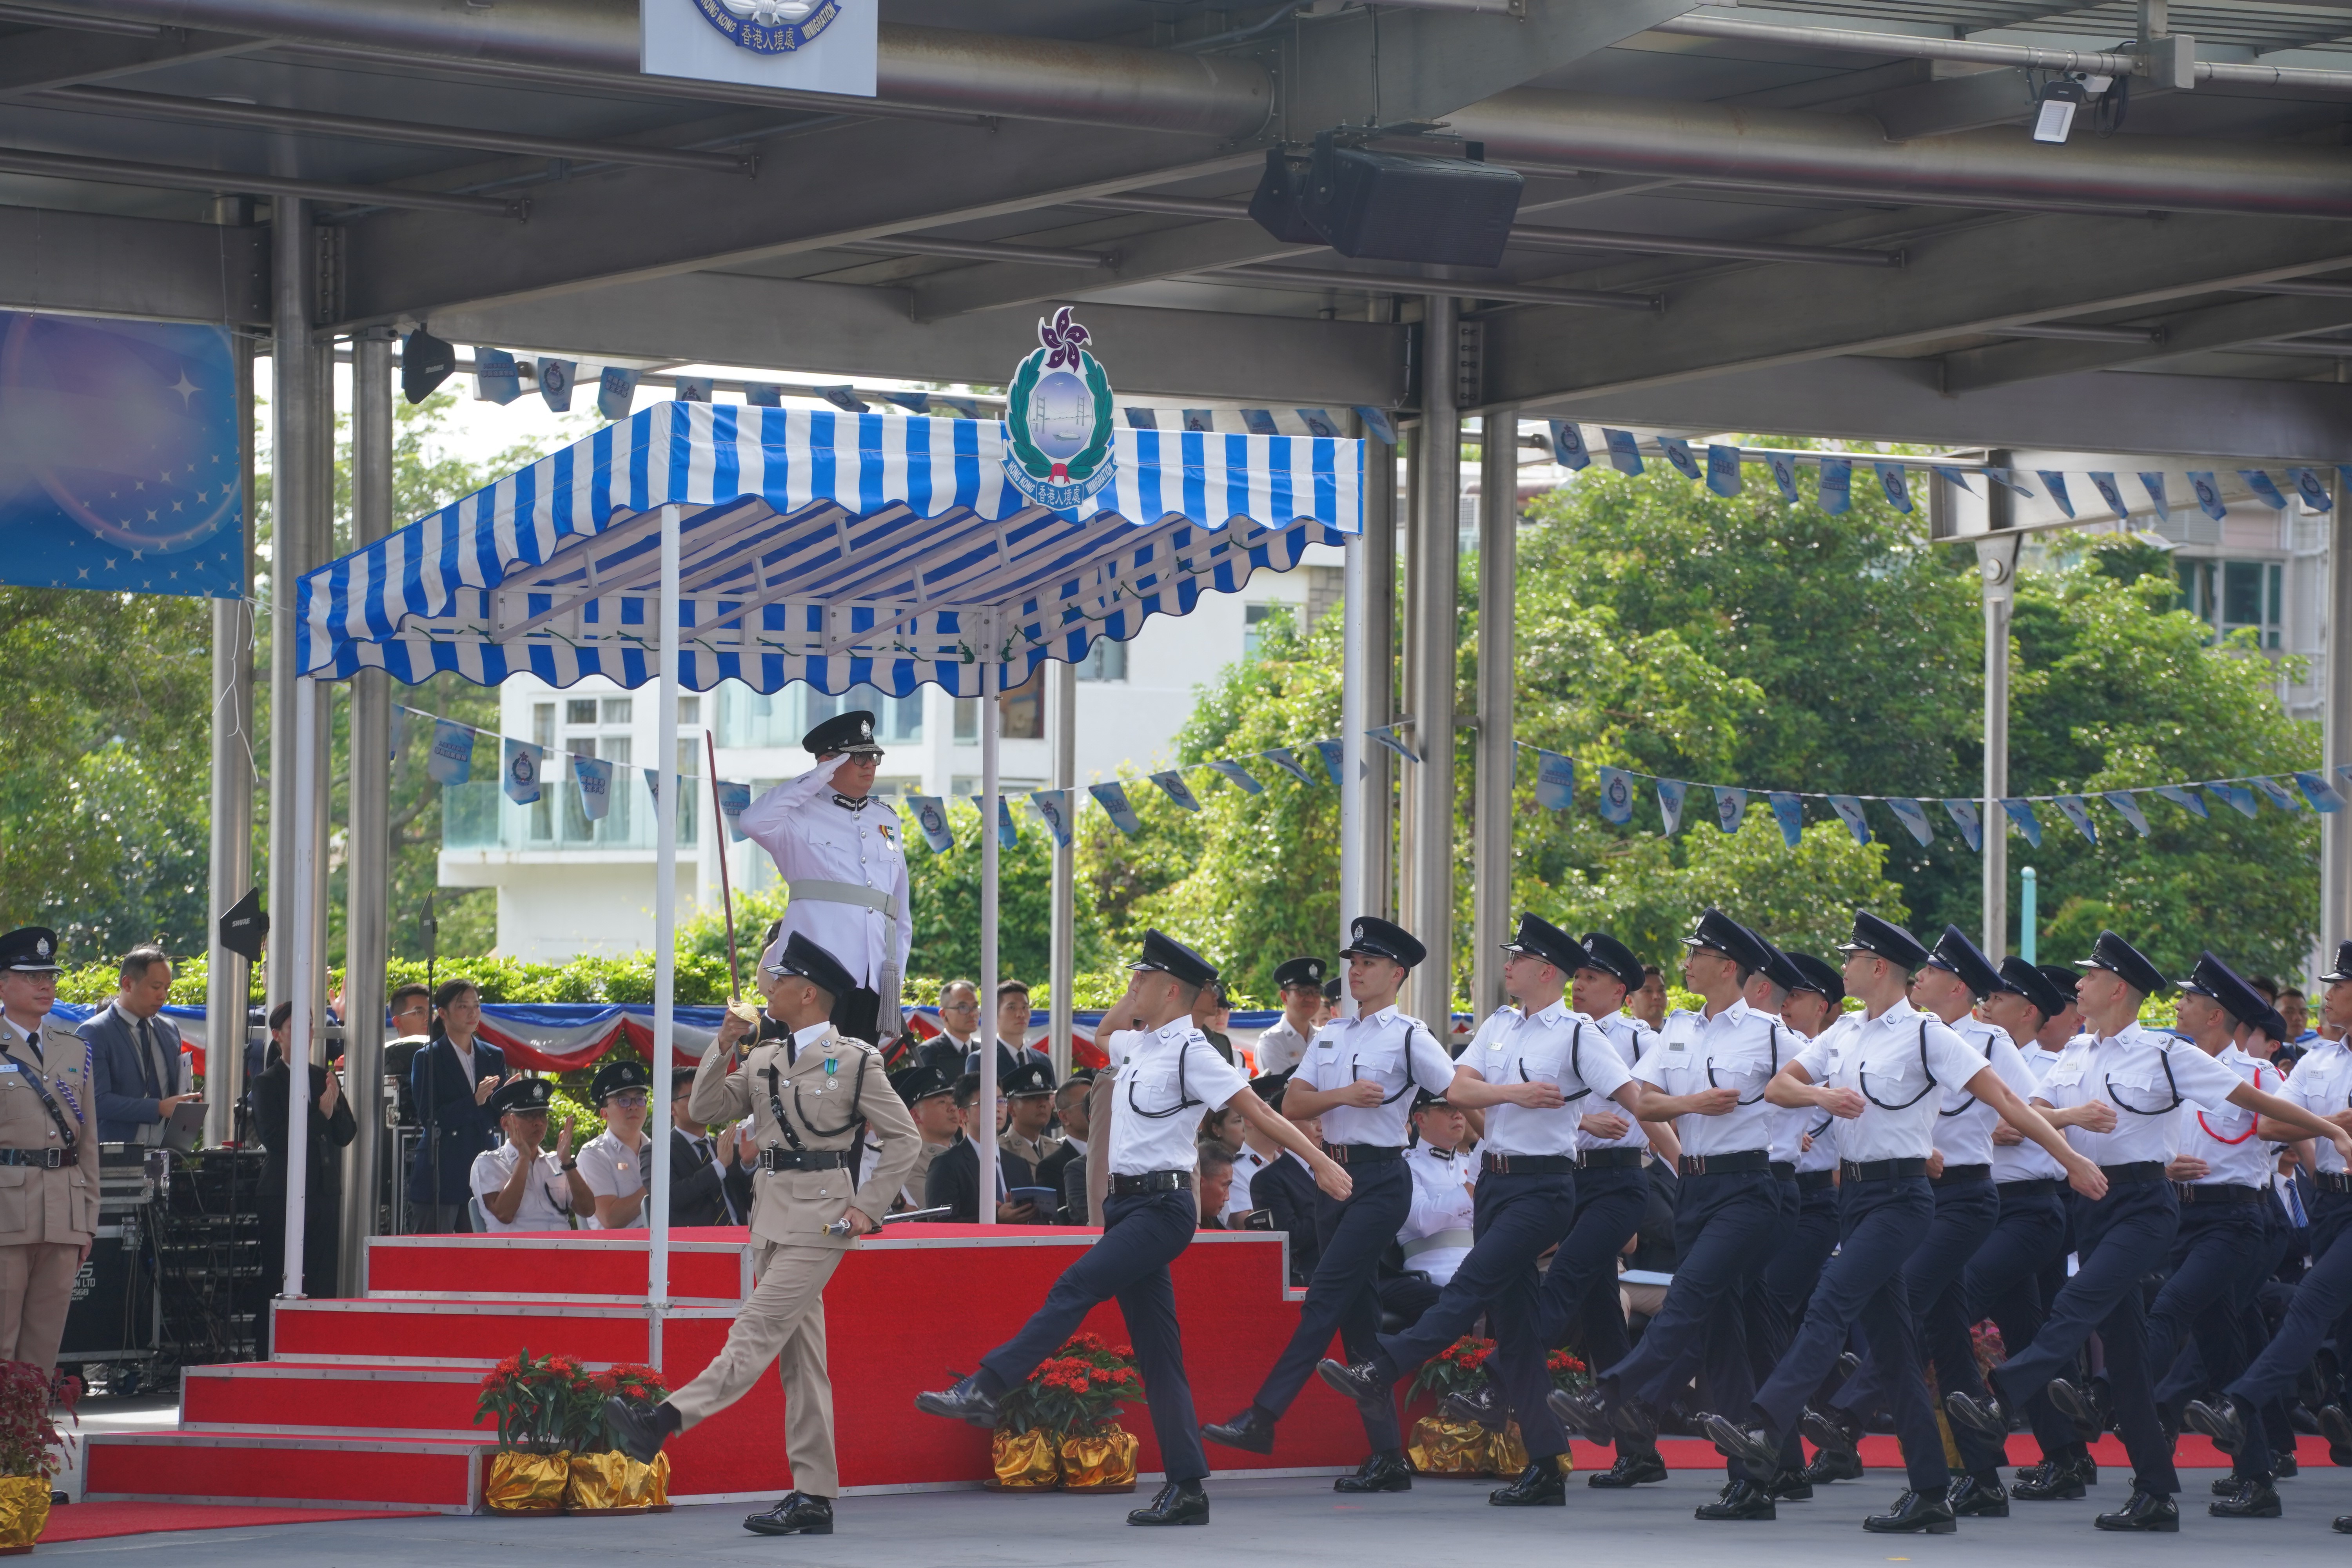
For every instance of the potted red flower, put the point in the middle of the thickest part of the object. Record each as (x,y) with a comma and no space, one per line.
(603,1479)
(31,1448)
(1062,1425)
(534,1401)
(1441,1447)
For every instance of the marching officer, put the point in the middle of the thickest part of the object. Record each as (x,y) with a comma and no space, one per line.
(1300,983)
(1816,1000)
(47,1092)
(843,857)
(806,1094)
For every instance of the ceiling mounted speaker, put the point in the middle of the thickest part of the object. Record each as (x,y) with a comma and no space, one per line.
(1453,212)
(425,361)
(1281,190)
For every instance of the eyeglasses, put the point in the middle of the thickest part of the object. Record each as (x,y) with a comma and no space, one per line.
(633,1099)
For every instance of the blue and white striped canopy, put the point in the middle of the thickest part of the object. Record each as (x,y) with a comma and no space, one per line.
(839,549)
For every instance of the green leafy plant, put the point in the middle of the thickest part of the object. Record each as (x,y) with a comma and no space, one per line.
(642,1386)
(1080,1388)
(1457,1369)
(534,1401)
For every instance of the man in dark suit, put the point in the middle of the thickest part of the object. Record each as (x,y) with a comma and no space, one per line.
(1070,1105)
(699,1166)
(450,1083)
(954,1180)
(141,1072)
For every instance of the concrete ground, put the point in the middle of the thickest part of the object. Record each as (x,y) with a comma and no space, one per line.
(1290,1523)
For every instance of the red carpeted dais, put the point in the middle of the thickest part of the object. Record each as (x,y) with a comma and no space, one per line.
(96,1521)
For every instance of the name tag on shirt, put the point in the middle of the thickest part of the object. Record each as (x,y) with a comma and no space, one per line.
(2064,1076)
(1676,1046)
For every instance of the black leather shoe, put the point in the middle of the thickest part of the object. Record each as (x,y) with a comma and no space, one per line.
(1789,1486)
(2253,1498)
(2053,1481)
(1362,1382)
(2086,1469)
(1540,1485)
(1831,1429)
(797,1513)
(1585,1413)
(1483,1404)
(2075,1404)
(966,1402)
(2336,1425)
(1984,1415)
(2150,1512)
(1631,1469)
(1914,1513)
(2218,1420)
(1378,1473)
(1178,1502)
(1752,1445)
(1975,1497)
(1740,1500)
(2283,1467)
(641,1432)
(1252,1432)
(1634,1419)
(2343,1525)
(1848,1363)
(1828,1465)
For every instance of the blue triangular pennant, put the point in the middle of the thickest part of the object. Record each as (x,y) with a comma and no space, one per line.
(2323,795)
(1964,816)
(1240,775)
(1335,761)
(1625,450)
(1671,793)
(1555,780)
(452,758)
(1895,483)
(2079,813)
(2111,492)
(1568,447)
(2152,482)
(2055,483)
(2280,796)
(556,378)
(616,389)
(497,377)
(1053,808)
(1723,470)
(2126,806)
(1784,474)
(732,799)
(1789,812)
(1113,799)
(1730,807)
(1616,796)
(2209,494)
(1850,812)
(2312,489)
(1008,835)
(1387,736)
(1836,488)
(1319,423)
(1678,453)
(930,815)
(2184,797)
(1913,815)
(595,777)
(1286,759)
(1377,424)
(523,761)
(1178,790)
(2238,795)
(2264,488)
(2021,812)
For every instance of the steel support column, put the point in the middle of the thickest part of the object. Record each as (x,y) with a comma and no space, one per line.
(293,500)
(2336,731)
(368,848)
(1378,556)
(1433,610)
(1062,685)
(226,980)
(1997,564)
(1498,518)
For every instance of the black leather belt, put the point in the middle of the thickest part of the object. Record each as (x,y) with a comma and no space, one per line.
(2218,1193)
(1530,1164)
(1814,1181)
(1961,1175)
(1361,1153)
(2039,1186)
(775,1157)
(43,1159)
(2331,1181)
(2136,1171)
(1882,1170)
(1610,1159)
(1150,1182)
(1727,1163)
(1784,1170)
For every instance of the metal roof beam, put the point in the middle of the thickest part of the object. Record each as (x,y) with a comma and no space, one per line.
(2233,325)
(64,56)
(98,264)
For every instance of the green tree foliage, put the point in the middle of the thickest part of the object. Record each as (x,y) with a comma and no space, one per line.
(946,888)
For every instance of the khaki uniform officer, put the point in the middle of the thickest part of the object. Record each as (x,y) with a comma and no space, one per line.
(48,1152)
(808,1094)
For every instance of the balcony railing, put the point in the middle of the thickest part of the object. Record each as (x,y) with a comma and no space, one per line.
(478,815)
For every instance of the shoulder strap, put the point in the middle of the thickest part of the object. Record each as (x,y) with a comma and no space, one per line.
(1774,1030)
(39,1080)
(1575,1048)
(1923,1052)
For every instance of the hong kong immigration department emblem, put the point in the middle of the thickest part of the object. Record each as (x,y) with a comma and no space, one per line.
(1059,417)
(769,26)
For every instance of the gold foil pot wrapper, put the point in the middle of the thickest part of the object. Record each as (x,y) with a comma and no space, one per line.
(526,1483)
(604,1482)
(24,1511)
(1442,1447)
(1103,1459)
(1025,1461)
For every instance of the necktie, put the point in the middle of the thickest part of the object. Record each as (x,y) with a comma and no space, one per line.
(147,1060)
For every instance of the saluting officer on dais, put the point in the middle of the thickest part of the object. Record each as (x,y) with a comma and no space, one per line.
(808,1094)
(49,1151)
(843,857)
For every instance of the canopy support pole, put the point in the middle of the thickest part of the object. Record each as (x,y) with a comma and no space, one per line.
(982,1130)
(367,888)
(665,811)
(1498,566)
(1998,563)
(302,970)
(1376,667)
(1436,637)
(1352,724)
(1062,681)
(2335,733)
(294,259)
(226,973)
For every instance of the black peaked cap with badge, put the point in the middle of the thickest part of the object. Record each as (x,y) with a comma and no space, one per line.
(813,964)
(851,731)
(614,1077)
(1884,937)
(30,950)
(1956,954)
(1821,975)
(920,1082)
(1539,937)
(1612,958)
(1718,933)
(1377,938)
(1778,969)
(1423,1100)
(1269,1087)
(1028,1080)
(1166,954)
(2126,963)
(2062,979)
(2032,983)
(522,1094)
(2219,984)
(1331,991)
(1307,973)
(2342,968)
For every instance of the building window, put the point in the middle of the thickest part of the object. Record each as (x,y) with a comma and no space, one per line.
(967,718)
(617,710)
(2235,596)
(690,710)
(580,711)
(758,719)
(1255,619)
(1024,708)
(1106,661)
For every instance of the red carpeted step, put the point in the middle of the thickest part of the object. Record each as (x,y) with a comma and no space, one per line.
(291,1396)
(429,1331)
(704,1264)
(99,1520)
(354,1470)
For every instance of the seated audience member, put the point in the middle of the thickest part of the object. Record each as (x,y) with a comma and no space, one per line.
(522,1185)
(1216,1183)
(1257,1150)
(1074,1192)
(1213,1010)
(331,1129)
(747,1164)
(140,1073)
(1228,1129)
(958,1035)
(1028,1111)
(1285,1190)
(616,1164)
(1649,1003)
(1331,1002)
(930,1100)
(1012,1048)
(953,1182)
(699,1166)
(1070,1110)
(1436,1235)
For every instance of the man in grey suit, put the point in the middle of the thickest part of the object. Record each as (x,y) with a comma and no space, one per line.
(142,1075)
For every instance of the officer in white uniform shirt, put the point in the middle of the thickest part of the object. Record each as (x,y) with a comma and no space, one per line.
(1884,1071)
(1300,983)
(1956,977)
(522,1186)
(1437,1233)
(1816,1000)
(617,1162)
(843,857)
(1357,1077)
(2129,1081)
(1146,1105)
(1533,1069)
(1707,1075)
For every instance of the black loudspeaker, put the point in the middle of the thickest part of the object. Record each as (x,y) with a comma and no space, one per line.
(1281,190)
(425,361)
(1454,212)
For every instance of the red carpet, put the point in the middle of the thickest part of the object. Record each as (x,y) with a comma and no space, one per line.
(92,1520)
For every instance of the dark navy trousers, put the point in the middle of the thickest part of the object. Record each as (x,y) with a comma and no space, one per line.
(1515,1220)
(1724,1224)
(1142,1234)
(2121,1239)
(2220,1247)
(2323,1298)
(1934,1281)
(2005,1280)
(1880,1223)
(1343,1296)
(1794,1268)
(1579,1286)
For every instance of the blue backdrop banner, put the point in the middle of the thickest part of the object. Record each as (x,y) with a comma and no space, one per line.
(119,457)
